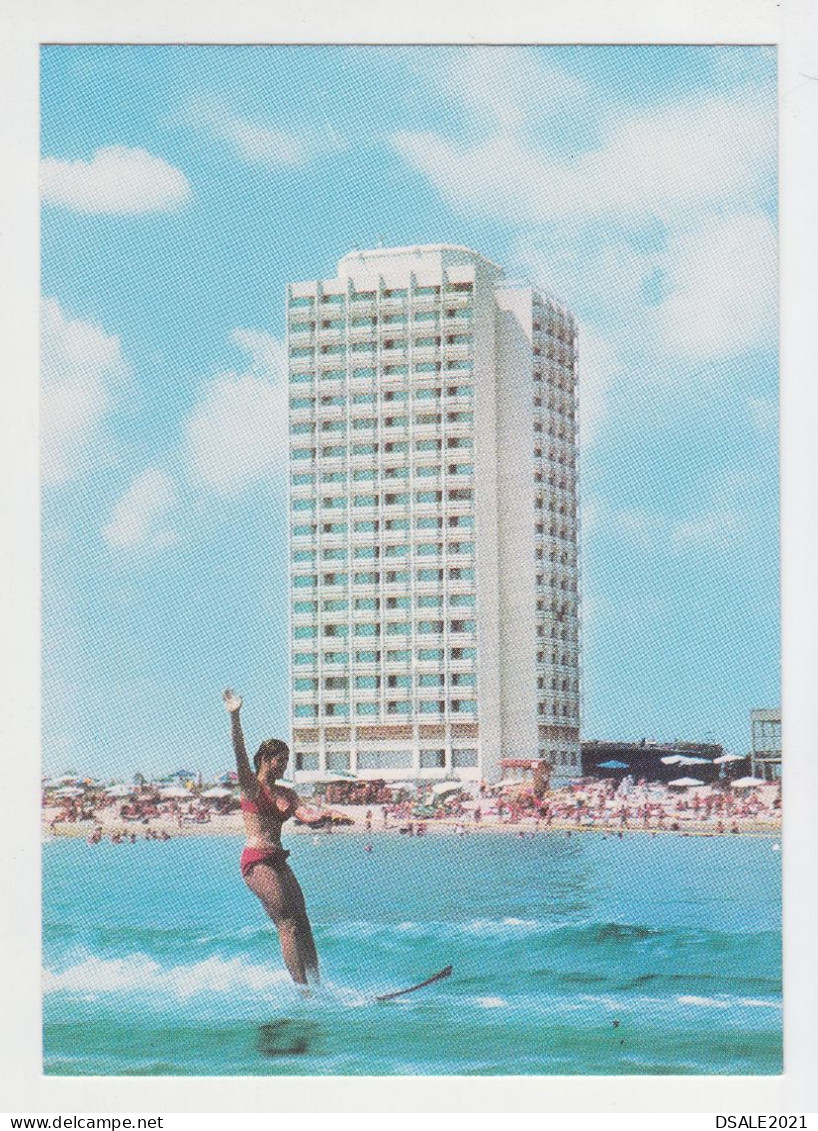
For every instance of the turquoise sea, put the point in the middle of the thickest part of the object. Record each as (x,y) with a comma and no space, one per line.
(580,955)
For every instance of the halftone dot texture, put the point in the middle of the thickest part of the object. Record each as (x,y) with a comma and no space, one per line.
(183,187)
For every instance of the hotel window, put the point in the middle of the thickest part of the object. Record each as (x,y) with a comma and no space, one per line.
(337,760)
(302,683)
(365,708)
(305,632)
(427,445)
(463,679)
(305,710)
(335,579)
(427,367)
(433,759)
(366,552)
(429,601)
(427,394)
(384,759)
(399,628)
(336,657)
(334,528)
(429,522)
(301,301)
(306,760)
(301,378)
(336,682)
(458,573)
(335,606)
(429,549)
(397,577)
(366,656)
(365,501)
(396,500)
(428,496)
(464,759)
(368,682)
(426,292)
(364,373)
(464,706)
(464,653)
(339,710)
(430,655)
(367,578)
(333,451)
(360,474)
(430,627)
(461,600)
(397,552)
(430,575)
(301,607)
(431,707)
(303,555)
(305,659)
(367,604)
(304,581)
(398,656)
(463,626)
(399,681)
(430,679)
(364,449)
(302,402)
(367,629)
(303,530)
(399,707)
(302,429)
(428,472)
(398,602)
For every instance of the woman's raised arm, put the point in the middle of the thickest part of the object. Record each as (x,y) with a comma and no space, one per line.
(248,782)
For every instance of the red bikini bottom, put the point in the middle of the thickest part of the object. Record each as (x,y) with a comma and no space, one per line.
(275,857)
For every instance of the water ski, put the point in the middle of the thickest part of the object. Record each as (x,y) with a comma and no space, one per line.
(444,973)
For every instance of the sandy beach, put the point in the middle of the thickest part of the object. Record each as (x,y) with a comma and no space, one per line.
(490,823)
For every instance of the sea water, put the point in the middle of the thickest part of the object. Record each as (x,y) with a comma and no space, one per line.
(572,955)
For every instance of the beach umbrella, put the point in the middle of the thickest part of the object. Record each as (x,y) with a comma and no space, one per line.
(671,760)
(612,765)
(729,758)
(68,791)
(119,790)
(442,787)
(747,783)
(685,761)
(409,786)
(173,791)
(683,783)
(217,792)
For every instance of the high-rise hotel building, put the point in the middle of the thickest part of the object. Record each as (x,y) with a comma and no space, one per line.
(434,623)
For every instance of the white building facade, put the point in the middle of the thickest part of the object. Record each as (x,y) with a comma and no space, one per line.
(434,577)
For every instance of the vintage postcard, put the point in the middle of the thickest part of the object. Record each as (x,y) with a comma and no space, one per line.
(425,399)
(406,729)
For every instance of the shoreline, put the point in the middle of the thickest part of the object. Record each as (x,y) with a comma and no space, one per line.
(232,826)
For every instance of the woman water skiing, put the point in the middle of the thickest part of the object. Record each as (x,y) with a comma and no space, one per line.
(265,807)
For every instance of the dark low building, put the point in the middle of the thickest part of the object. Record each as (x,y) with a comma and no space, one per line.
(645,760)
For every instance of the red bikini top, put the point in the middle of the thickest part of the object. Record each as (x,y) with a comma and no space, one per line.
(265,804)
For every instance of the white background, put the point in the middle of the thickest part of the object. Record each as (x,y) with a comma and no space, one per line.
(26,23)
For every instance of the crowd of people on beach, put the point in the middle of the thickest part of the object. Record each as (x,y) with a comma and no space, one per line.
(588,804)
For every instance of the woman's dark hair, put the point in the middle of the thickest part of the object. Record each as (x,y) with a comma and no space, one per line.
(270,748)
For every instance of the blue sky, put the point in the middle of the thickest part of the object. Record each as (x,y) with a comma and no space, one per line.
(183,187)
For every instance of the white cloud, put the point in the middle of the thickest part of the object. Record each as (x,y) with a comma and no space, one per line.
(599,367)
(723,288)
(664,163)
(139,518)
(764,415)
(81,365)
(508,88)
(257,143)
(237,432)
(713,530)
(116,180)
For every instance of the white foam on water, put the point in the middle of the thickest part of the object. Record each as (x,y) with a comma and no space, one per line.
(138,972)
(492,1002)
(712,1002)
(760,1003)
